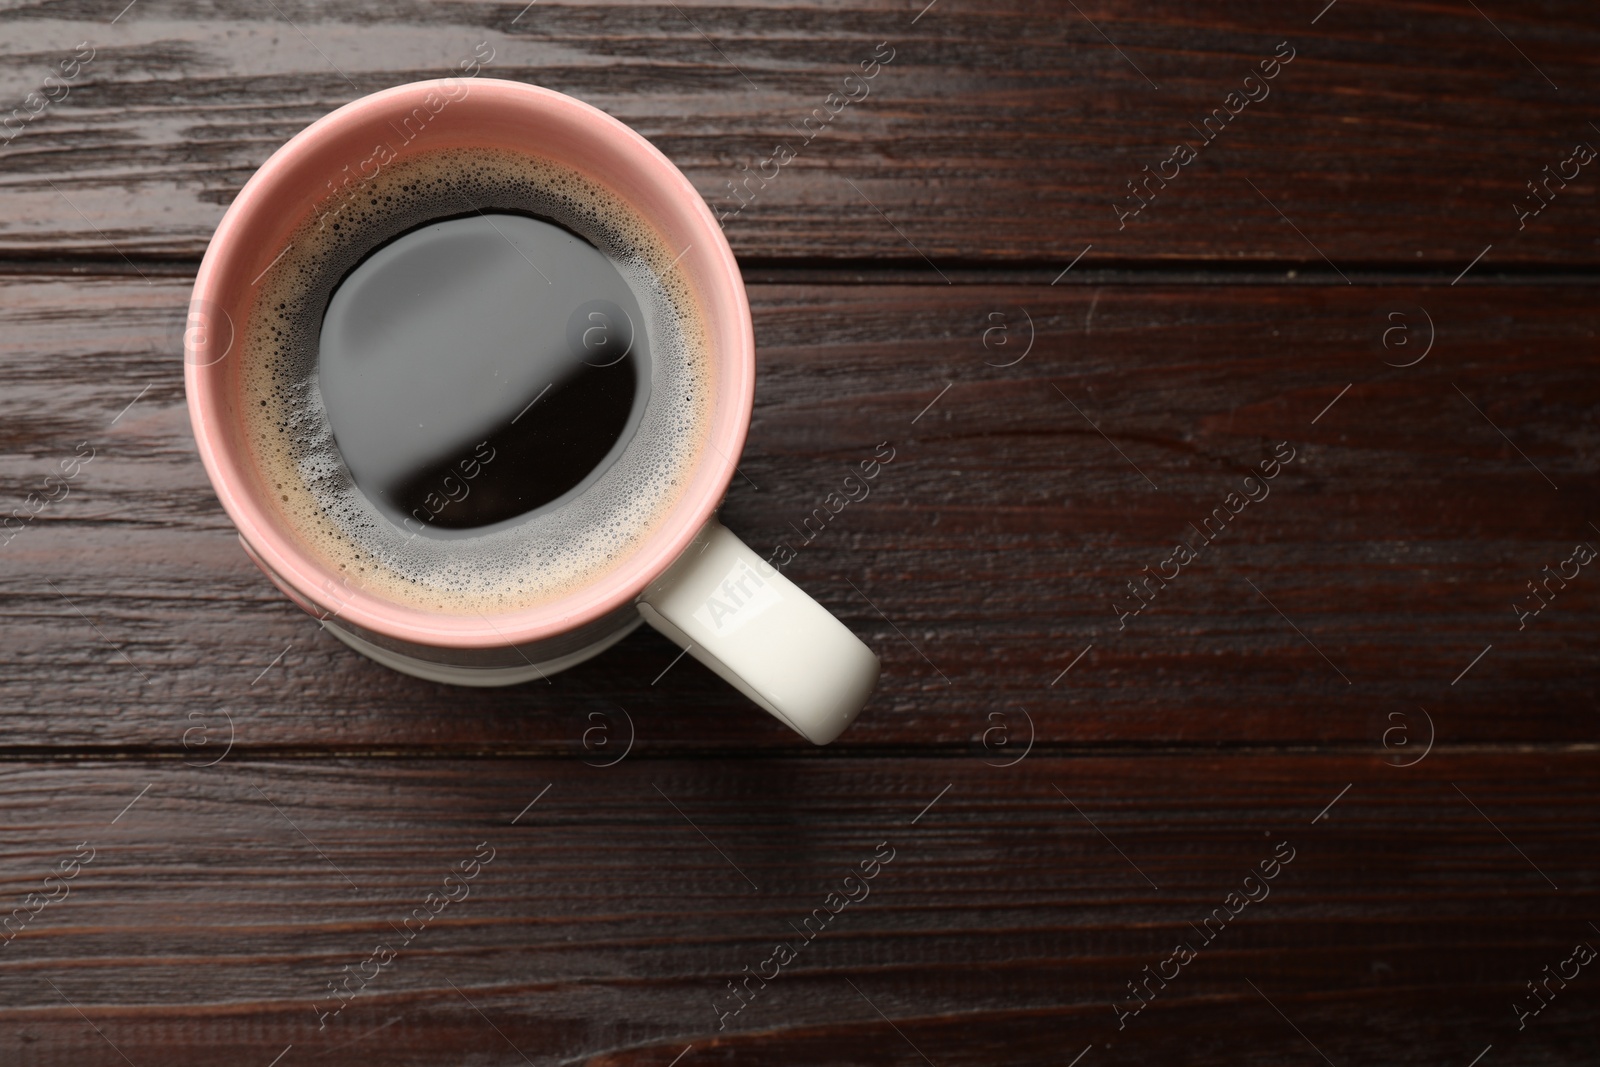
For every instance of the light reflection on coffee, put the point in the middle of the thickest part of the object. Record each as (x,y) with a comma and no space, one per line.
(481,368)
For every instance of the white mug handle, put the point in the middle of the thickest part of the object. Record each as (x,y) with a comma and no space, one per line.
(739,616)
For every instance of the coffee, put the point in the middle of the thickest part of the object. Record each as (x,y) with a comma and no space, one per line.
(479,385)
(479,369)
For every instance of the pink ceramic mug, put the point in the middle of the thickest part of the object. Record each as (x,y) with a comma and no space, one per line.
(690,578)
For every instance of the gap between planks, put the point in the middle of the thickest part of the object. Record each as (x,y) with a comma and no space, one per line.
(951,751)
(810,271)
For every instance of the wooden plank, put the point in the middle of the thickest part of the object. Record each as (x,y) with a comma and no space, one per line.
(1013,910)
(1353,604)
(1399,134)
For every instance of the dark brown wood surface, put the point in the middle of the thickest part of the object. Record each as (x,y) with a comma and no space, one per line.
(1066,793)
(999,540)
(1398,134)
(606,926)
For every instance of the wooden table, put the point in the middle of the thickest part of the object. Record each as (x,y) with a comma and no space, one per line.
(1328,793)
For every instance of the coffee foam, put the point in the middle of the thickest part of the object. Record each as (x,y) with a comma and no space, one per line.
(548,554)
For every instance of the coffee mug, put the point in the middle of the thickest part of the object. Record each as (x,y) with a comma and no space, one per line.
(687,575)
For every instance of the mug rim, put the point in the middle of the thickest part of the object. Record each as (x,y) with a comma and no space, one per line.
(287,557)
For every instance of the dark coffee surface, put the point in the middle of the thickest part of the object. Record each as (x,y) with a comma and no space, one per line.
(480,368)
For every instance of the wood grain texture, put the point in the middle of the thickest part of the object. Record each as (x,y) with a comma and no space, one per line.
(219,905)
(1069,794)
(995,547)
(1400,133)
